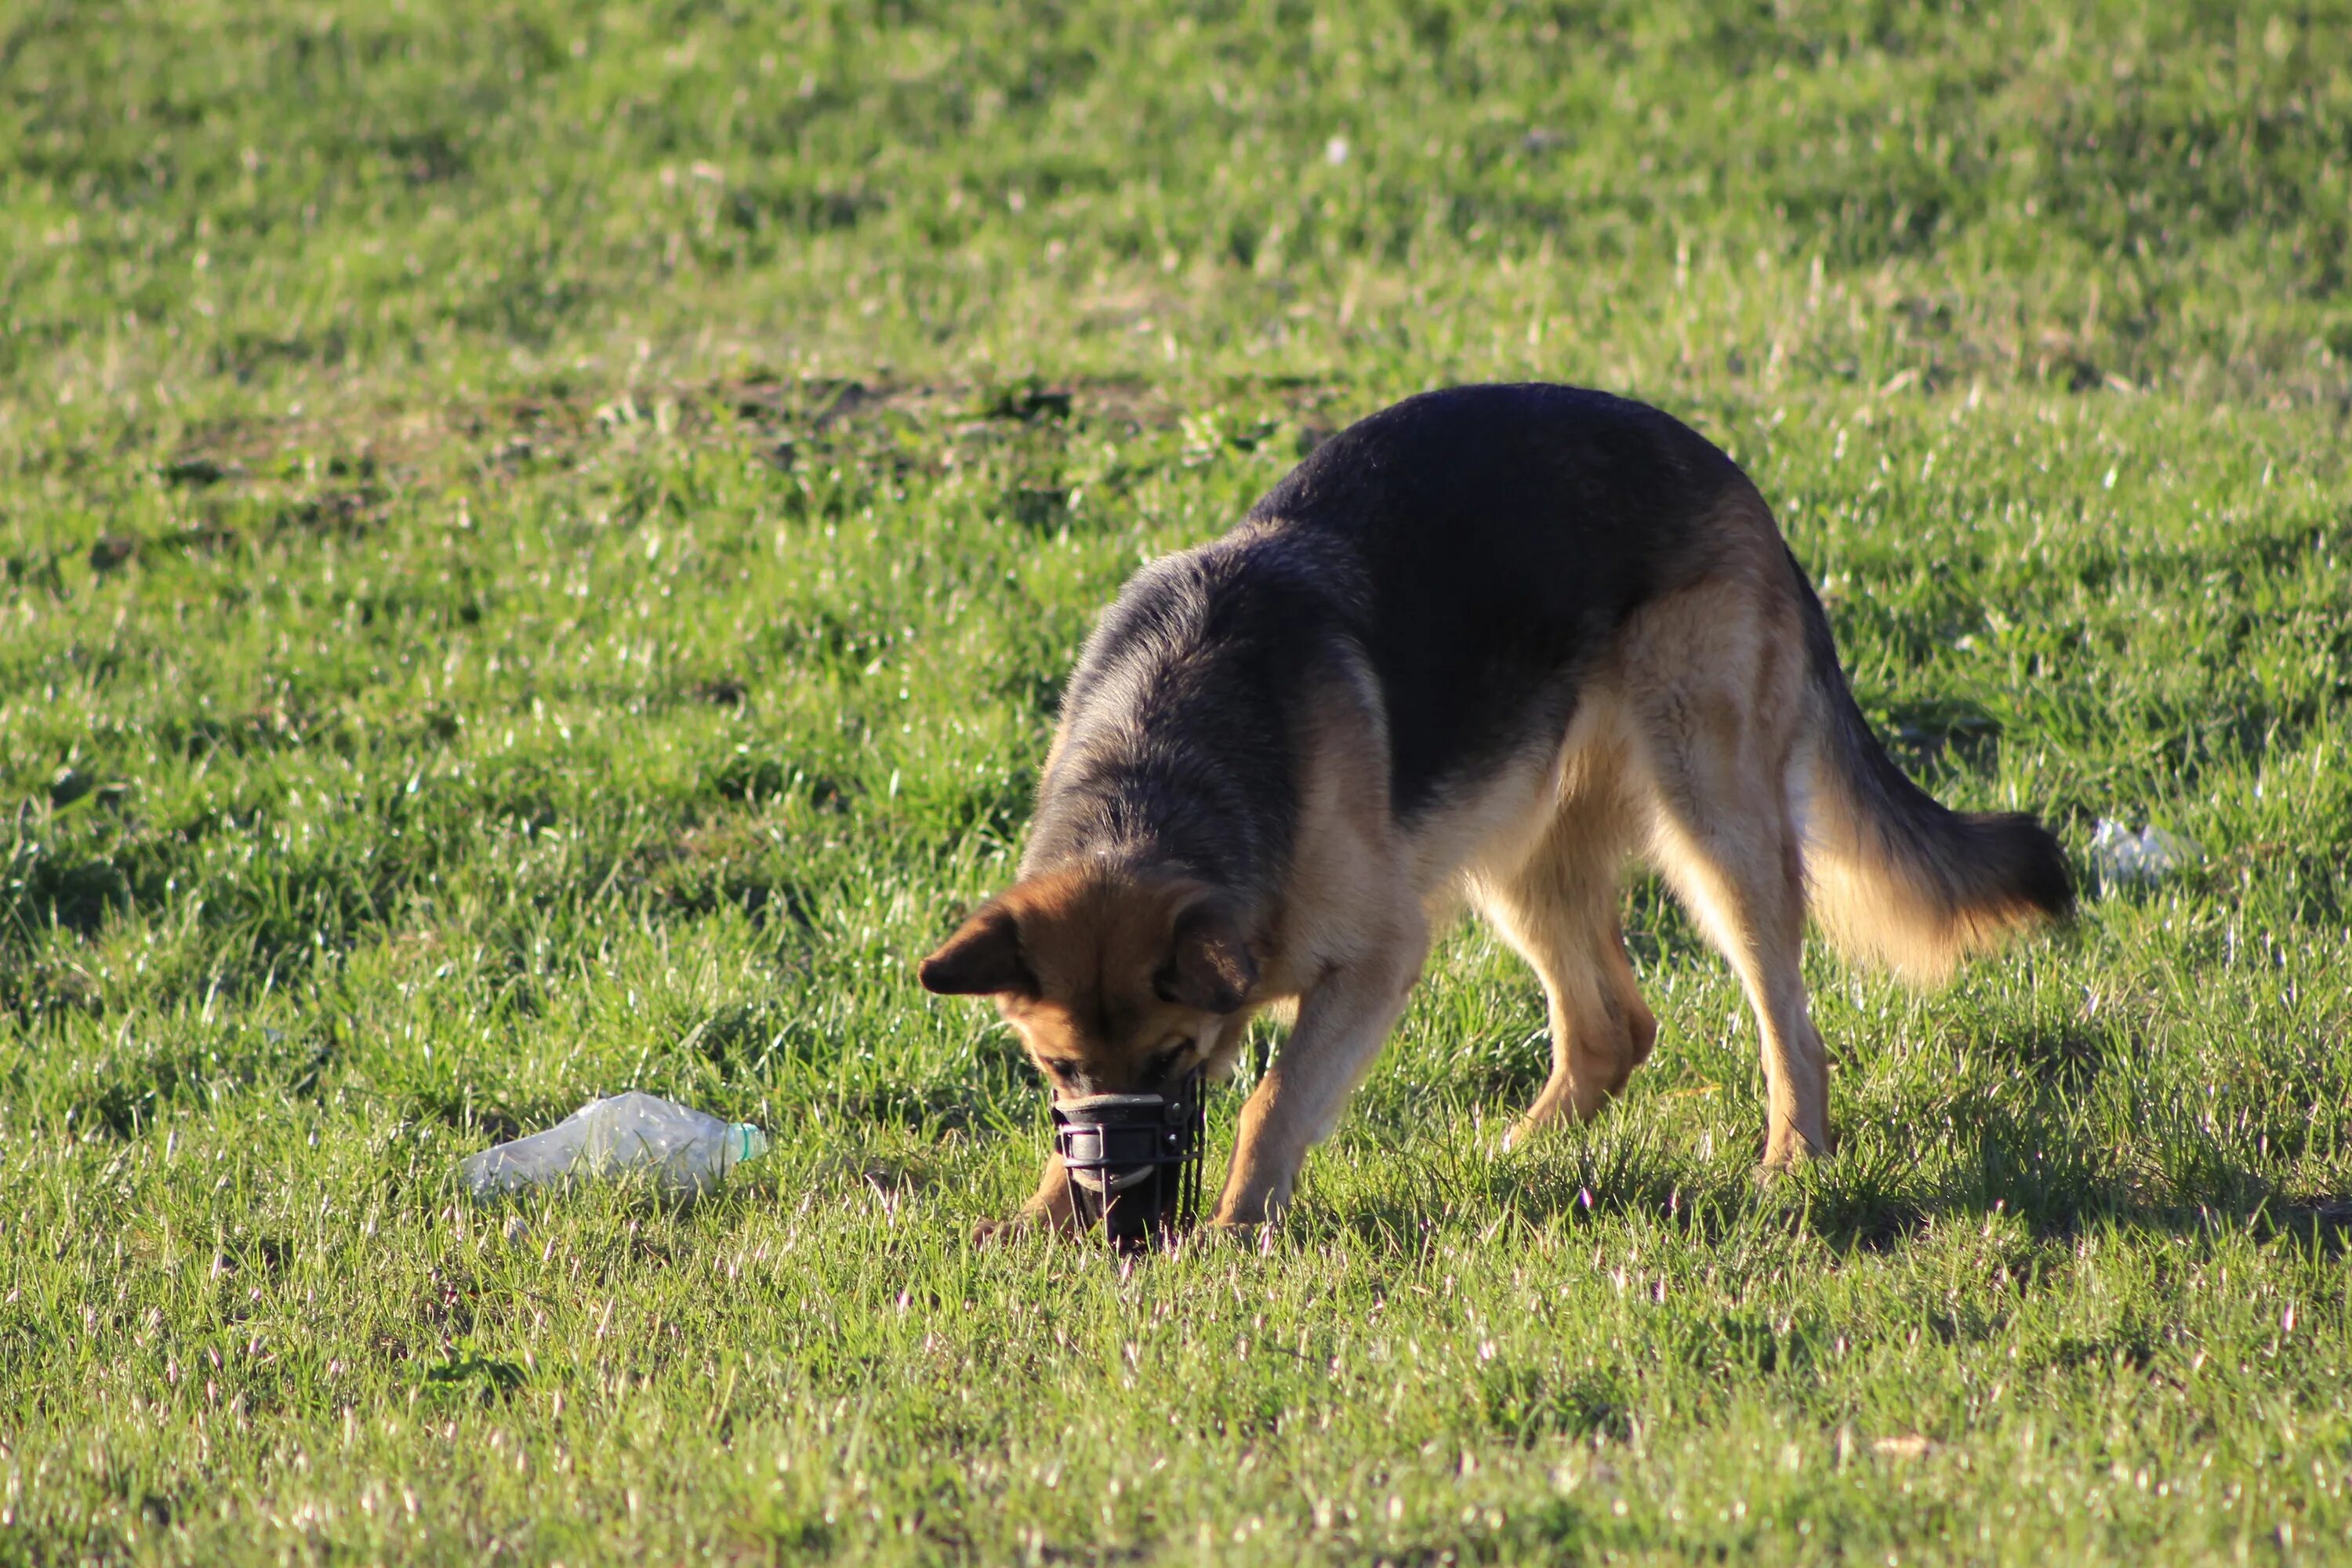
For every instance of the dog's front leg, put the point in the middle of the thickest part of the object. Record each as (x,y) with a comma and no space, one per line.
(1341,1025)
(1050,1207)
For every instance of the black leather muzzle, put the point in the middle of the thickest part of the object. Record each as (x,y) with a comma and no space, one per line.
(1134,1162)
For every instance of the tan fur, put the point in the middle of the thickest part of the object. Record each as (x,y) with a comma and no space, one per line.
(1695,742)
(1095,937)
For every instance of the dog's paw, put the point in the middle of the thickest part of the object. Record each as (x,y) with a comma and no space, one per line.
(1245,1236)
(1522,1133)
(1784,1158)
(1002,1232)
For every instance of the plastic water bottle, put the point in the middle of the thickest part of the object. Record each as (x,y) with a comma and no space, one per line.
(681,1150)
(2120,855)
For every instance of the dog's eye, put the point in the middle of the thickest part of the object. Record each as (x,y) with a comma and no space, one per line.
(1062,1071)
(1164,1062)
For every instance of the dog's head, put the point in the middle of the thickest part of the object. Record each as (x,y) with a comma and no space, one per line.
(1119,980)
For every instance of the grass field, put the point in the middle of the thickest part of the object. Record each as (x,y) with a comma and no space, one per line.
(540,545)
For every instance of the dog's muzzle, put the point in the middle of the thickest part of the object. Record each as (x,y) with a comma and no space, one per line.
(1134,1162)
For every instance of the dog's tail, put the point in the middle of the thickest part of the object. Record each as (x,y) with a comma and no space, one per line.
(1895,877)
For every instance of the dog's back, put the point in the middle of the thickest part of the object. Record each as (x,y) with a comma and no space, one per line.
(1504,535)
(1474,548)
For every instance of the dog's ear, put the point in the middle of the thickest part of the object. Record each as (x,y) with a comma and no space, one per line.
(1209,963)
(982,959)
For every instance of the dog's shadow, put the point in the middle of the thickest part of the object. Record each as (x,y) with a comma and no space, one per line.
(2034,1156)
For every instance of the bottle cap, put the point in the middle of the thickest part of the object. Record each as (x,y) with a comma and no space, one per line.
(750,1142)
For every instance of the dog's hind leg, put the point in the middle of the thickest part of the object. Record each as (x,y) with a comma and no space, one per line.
(1558,911)
(1715,683)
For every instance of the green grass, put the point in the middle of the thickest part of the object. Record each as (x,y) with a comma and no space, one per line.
(537,551)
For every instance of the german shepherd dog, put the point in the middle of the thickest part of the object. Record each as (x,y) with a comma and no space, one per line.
(1484,645)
